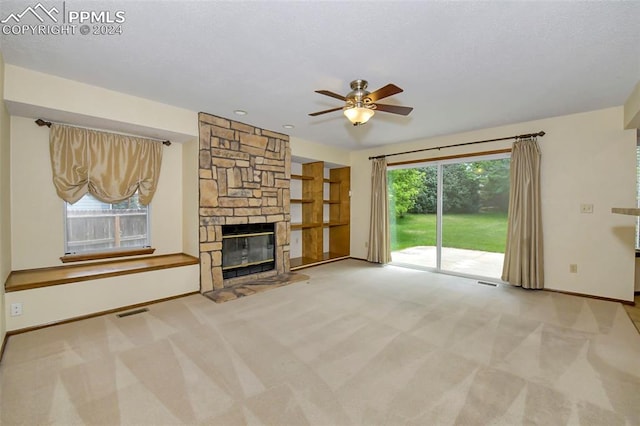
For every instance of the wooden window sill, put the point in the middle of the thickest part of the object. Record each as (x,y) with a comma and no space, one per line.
(45,277)
(106,255)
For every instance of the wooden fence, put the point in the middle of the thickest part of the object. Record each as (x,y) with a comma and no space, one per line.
(90,230)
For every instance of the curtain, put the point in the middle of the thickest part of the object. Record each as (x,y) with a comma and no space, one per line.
(379,237)
(523,262)
(111,167)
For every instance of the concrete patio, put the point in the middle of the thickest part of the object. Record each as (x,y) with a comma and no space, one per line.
(470,262)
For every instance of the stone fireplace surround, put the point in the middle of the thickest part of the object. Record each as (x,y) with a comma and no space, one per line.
(244,176)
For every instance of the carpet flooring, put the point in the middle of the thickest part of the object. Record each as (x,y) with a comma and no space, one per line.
(356,344)
(634,311)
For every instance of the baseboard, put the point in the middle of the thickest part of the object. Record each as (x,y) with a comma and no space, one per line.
(95,314)
(589,296)
(609,299)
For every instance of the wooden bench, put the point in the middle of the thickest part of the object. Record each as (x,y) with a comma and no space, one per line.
(44,277)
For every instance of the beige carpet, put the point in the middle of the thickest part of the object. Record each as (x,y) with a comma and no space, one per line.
(356,344)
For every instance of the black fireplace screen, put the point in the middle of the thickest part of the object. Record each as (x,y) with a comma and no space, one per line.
(247,249)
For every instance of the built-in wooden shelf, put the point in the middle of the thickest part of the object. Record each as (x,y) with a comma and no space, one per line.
(330,224)
(325,214)
(44,277)
(305,262)
(632,211)
(302,177)
(295,226)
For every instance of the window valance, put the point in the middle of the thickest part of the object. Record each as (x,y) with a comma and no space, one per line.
(112,167)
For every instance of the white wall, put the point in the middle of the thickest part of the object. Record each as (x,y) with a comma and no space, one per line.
(586,158)
(295,190)
(36,237)
(51,304)
(37,211)
(313,151)
(82,104)
(190,201)
(5,201)
(632,109)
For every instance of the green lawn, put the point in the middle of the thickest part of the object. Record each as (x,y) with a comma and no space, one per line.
(482,231)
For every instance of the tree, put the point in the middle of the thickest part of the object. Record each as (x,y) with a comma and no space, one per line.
(460,192)
(404,186)
(468,187)
(131,203)
(460,189)
(493,179)
(426,200)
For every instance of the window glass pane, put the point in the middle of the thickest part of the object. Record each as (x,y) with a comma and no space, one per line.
(412,215)
(474,220)
(93,226)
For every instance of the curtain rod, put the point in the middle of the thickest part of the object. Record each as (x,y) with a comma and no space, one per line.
(528,135)
(40,122)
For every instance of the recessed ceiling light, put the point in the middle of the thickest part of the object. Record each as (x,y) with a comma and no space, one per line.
(240,112)
(288,126)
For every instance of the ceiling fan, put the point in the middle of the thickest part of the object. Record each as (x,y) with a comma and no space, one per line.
(360,104)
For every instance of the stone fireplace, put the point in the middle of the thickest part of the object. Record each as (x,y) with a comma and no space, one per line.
(244,175)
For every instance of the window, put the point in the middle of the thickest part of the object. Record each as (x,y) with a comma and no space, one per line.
(93,226)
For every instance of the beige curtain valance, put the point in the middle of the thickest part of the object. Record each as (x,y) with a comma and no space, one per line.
(110,166)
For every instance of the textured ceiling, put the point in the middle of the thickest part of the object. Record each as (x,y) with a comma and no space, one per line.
(463,65)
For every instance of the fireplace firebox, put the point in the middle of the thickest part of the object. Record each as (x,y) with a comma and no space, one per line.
(247,249)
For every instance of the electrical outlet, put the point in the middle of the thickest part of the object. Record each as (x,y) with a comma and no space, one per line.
(586,208)
(366,244)
(573,268)
(16,309)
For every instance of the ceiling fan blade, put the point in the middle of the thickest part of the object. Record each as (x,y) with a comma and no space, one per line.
(383,92)
(313,114)
(394,109)
(331,94)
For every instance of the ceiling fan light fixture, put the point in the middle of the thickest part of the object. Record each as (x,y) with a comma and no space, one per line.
(358,115)
(360,104)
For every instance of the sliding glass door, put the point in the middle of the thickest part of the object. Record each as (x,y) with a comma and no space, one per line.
(412,209)
(451,215)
